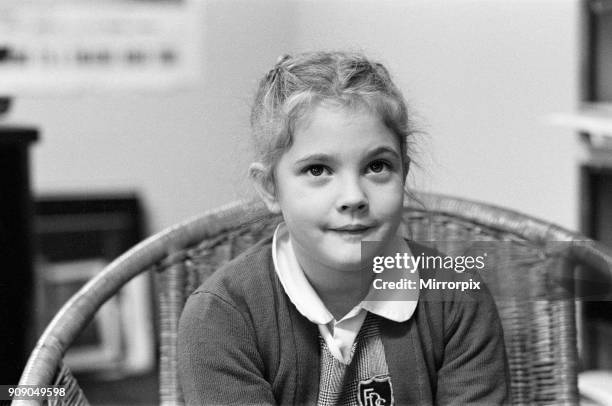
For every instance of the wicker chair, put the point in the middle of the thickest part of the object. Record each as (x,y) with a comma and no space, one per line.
(540,334)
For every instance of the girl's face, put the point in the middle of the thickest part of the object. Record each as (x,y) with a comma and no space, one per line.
(339,183)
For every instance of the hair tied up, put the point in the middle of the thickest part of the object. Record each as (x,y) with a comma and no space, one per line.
(276,70)
(281,59)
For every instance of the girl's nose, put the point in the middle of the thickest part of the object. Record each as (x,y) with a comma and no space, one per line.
(352,197)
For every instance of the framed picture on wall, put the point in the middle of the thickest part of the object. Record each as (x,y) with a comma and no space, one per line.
(67,47)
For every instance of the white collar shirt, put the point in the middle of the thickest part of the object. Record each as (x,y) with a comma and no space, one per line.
(339,335)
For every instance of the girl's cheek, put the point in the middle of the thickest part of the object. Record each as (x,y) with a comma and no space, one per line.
(316,183)
(389,185)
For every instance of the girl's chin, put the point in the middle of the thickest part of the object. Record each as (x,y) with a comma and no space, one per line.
(349,262)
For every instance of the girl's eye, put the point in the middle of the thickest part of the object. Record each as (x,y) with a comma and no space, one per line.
(315,170)
(378,166)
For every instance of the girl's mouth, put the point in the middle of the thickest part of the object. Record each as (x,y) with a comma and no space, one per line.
(353,229)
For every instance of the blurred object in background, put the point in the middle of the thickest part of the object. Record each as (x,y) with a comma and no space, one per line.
(5,105)
(593,121)
(595,387)
(75,46)
(76,237)
(596,173)
(16,275)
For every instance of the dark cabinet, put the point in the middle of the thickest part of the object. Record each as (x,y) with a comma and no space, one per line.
(16,274)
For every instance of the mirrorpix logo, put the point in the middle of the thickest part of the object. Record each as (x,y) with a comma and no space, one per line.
(376,391)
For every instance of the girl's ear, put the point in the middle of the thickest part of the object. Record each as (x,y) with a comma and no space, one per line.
(264,185)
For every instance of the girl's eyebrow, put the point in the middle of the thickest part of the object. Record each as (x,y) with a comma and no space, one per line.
(324,158)
(383,150)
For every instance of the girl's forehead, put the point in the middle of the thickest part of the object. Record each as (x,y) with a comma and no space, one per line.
(342,129)
(328,110)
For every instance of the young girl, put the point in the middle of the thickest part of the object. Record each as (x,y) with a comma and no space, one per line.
(297,319)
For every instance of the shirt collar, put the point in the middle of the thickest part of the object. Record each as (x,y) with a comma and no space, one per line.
(292,277)
(307,301)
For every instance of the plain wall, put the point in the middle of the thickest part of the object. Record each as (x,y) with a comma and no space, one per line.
(481,75)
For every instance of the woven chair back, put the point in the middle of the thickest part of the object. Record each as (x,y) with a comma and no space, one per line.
(539,329)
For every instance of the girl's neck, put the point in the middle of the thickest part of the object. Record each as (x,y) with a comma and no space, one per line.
(339,290)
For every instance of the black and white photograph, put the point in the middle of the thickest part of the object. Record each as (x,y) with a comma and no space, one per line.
(306,202)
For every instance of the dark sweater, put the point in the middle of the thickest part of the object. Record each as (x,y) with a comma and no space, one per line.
(242,341)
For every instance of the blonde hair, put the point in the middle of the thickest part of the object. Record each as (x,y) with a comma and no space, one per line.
(295,85)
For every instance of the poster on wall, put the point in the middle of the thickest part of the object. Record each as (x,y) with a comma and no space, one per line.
(64,46)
